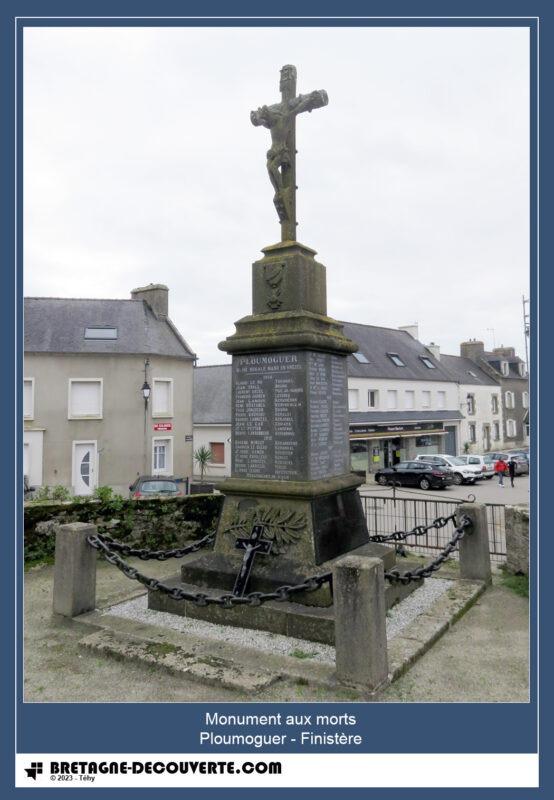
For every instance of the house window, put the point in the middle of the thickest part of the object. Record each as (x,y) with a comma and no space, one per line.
(361,358)
(395,358)
(471,404)
(525,399)
(426,399)
(504,368)
(510,399)
(29,398)
(409,399)
(353,399)
(521,369)
(162,397)
(428,363)
(494,401)
(441,399)
(392,398)
(218,452)
(373,398)
(496,431)
(162,456)
(85,398)
(511,428)
(472,433)
(101,333)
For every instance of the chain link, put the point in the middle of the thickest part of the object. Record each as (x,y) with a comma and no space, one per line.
(419,530)
(281,594)
(395,576)
(109,550)
(160,555)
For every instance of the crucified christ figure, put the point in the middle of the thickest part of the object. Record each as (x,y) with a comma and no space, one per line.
(280,118)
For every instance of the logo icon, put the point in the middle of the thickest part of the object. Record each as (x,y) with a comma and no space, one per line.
(34,770)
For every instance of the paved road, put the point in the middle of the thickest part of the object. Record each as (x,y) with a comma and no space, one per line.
(484,491)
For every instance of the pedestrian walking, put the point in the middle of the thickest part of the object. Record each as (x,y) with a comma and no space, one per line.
(512,470)
(500,468)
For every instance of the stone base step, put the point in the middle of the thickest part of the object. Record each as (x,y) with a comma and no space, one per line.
(313,623)
(181,659)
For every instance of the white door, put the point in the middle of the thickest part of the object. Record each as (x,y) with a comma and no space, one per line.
(84,467)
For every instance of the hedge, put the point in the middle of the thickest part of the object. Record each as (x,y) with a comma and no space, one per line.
(158,522)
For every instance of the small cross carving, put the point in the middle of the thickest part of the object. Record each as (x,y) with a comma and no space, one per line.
(251,546)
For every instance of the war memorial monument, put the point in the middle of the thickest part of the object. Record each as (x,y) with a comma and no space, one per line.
(291,504)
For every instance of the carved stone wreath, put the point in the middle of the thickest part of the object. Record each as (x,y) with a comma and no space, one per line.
(282,526)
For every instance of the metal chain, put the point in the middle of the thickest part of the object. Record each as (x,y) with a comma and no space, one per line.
(395,576)
(281,594)
(160,555)
(419,530)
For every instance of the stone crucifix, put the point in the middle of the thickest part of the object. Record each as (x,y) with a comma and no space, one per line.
(281,158)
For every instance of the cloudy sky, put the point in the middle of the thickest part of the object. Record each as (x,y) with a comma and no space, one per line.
(141,165)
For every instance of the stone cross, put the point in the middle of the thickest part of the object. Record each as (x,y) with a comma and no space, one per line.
(281,158)
(255,544)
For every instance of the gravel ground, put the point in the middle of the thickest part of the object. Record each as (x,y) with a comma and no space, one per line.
(397,619)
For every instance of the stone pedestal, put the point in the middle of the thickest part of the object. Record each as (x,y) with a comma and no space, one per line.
(291,459)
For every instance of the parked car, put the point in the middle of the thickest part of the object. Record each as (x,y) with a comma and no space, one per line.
(154,486)
(519,452)
(522,464)
(415,473)
(487,467)
(462,472)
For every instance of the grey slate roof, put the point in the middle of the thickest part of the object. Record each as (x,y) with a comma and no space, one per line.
(375,342)
(460,369)
(493,360)
(57,325)
(365,417)
(212,395)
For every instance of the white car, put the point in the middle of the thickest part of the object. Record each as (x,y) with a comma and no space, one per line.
(485,463)
(463,473)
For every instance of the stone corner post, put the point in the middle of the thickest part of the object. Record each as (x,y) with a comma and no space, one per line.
(360,622)
(74,570)
(517,539)
(475,560)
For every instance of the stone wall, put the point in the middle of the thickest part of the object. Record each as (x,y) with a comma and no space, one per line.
(157,523)
(517,539)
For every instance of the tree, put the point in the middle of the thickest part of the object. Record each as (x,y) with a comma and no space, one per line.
(203,456)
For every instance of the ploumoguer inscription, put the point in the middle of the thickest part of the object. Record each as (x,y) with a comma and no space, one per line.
(290,416)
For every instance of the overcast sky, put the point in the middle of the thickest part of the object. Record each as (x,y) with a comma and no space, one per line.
(141,165)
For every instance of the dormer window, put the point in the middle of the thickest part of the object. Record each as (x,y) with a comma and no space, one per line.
(101,332)
(361,358)
(428,363)
(504,368)
(521,369)
(396,360)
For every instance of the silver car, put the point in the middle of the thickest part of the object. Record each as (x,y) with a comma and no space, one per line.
(484,462)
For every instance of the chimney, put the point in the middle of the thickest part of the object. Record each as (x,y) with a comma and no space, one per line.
(472,349)
(413,330)
(435,350)
(505,352)
(155,294)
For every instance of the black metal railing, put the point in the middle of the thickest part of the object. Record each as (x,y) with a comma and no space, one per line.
(387,514)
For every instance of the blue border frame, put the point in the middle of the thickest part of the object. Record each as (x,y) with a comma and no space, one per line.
(470,727)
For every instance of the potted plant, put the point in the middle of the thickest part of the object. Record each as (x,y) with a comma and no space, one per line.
(202,457)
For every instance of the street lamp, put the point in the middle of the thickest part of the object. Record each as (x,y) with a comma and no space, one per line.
(146,392)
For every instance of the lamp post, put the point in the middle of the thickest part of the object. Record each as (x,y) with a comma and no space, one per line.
(145,391)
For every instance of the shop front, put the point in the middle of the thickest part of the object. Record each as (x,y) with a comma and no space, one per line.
(373,447)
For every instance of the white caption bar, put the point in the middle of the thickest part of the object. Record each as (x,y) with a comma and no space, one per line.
(167,770)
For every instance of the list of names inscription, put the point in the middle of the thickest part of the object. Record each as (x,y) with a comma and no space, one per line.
(290,416)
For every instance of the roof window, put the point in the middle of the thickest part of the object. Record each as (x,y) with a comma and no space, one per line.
(360,357)
(473,375)
(428,363)
(101,333)
(395,358)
